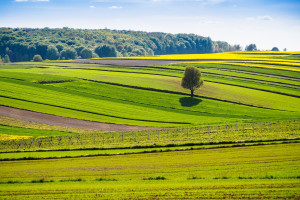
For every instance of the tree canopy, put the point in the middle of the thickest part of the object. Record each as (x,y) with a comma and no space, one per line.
(251,47)
(37,58)
(191,79)
(106,51)
(21,44)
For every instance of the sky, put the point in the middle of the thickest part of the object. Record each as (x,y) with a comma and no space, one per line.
(266,23)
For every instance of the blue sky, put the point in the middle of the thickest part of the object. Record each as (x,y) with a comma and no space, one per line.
(267,23)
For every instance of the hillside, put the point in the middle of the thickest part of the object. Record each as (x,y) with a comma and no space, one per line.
(238,87)
(124,128)
(21,44)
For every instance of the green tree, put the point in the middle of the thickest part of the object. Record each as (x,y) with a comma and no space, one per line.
(37,58)
(275,49)
(106,51)
(68,54)
(191,79)
(52,53)
(86,53)
(251,47)
(59,47)
(6,59)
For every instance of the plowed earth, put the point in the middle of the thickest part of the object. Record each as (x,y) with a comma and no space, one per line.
(64,121)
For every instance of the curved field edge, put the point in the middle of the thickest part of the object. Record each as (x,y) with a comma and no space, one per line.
(64,90)
(38,103)
(76,153)
(230,87)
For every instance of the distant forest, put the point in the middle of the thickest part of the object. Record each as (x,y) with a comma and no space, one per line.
(21,44)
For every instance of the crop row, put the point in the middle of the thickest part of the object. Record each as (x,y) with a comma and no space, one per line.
(206,134)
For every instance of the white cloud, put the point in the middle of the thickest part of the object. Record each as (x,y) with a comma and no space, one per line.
(21,0)
(115,7)
(266,17)
(92,7)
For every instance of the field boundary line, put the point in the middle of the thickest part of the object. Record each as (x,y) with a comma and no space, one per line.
(179,93)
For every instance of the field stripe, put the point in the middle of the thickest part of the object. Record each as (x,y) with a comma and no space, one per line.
(90,112)
(179,93)
(264,90)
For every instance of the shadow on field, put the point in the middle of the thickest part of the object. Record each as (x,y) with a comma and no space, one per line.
(189,101)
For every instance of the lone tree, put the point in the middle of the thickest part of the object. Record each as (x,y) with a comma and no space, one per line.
(37,58)
(191,79)
(251,47)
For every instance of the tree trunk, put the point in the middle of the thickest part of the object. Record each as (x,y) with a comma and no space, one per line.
(192,93)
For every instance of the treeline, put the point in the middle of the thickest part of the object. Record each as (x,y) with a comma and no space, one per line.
(21,44)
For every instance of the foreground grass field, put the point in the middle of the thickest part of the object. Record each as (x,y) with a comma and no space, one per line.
(268,172)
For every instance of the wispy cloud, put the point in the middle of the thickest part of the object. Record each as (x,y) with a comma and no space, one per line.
(263,18)
(92,7)
(266,17)
(115,7)
(21,0)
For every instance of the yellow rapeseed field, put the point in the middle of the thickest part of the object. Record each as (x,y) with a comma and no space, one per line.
(12,137)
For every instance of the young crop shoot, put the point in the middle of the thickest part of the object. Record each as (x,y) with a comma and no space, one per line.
(191,79)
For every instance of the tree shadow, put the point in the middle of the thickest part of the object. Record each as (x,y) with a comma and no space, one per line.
(189,101)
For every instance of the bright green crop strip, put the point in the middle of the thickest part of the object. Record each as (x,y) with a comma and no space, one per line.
(204,106)
(256,161)
(107,103)
(99,90)
(256,85)
(232,93)
(94,104)
(108,152)
(165,189)
(250,69)
(251,76)
(218,73)
(244,172)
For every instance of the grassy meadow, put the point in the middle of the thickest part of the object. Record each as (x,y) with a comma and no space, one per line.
(270,171)
(232,91)
(238,138)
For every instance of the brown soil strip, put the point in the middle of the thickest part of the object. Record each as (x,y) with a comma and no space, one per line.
(64,121)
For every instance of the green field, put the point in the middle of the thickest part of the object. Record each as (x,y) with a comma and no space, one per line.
(100,93)
(238,138)
(270,171)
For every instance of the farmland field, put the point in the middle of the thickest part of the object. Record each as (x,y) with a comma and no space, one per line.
(270,171)
(124,128)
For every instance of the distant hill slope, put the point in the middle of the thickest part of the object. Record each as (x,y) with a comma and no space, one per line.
(21,44)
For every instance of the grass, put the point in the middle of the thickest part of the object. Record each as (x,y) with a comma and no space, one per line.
(237,139)
(269,171)
(217,134)
(239,93)
(69,153)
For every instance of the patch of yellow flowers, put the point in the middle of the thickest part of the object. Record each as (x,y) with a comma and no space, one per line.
(12,137)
